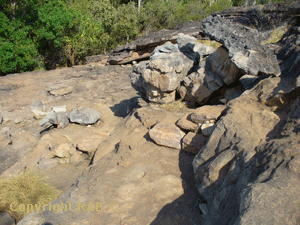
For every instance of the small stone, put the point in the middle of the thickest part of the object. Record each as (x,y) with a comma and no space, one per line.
(185,123)
(38,109)
(47,164)
(6,219)
(76,158)
(207,112)
(167,134)
(1,119)
(61,108)
(72,150)
(84,116)
(203,208)
(193,142)
(62,151)
(89,144)
(62,91)
(207,128)
(19,120)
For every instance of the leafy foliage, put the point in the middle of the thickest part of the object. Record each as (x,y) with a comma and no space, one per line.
(49,33)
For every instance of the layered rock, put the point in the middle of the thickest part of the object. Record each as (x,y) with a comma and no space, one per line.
(243,46)
(142,48)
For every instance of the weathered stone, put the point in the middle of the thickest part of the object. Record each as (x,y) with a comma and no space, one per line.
(60,118)
(207,128)
(49,120)
(168,47)
(166,134)
(20,120)
(185,123)
(136,78)
(193,49)
(203,209)
(6,219)
(232,93)
(248,81)
(62,151)
(193,142)
(84,116)
(38,109)
(166,71)
(47,164)
(5,139)
(243,46)
(62,91)
(207,112)
(218,71)
(89,144)
(58,109)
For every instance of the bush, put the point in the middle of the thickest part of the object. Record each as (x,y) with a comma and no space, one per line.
(26,188)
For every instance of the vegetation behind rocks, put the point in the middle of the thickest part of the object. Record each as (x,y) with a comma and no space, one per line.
(44,34)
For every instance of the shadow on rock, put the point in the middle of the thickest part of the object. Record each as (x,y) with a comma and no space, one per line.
(183,210)
(123,108)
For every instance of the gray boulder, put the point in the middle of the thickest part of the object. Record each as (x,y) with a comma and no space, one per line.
(84,116)
(193,49)
(243,45)
(60,119)
(6,219)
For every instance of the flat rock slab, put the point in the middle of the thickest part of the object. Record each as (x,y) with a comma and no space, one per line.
(167,134)
(89,144)
(207,112)
(243,46)
(62,91)
(84,116)
(185,123)
(193,142)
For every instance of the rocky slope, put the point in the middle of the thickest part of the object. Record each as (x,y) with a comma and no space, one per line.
(137,164)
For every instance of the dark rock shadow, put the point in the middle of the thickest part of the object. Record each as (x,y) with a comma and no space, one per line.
(123,108)
(185,209)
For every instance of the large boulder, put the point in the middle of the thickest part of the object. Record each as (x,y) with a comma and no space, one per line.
(167,71)
(218,71)
(243,45)
(159,78)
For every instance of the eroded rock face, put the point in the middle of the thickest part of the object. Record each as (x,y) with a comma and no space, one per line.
(243,45)
(167,134)
(217,71)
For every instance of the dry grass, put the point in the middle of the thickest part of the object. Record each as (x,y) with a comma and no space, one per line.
(211,43)
(22,190)
(276,35)
(175,106)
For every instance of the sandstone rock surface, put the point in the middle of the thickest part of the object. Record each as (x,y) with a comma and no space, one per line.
(193,142)
(167,134)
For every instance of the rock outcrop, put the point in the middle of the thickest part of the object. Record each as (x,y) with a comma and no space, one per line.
(243,45)
(142,48)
